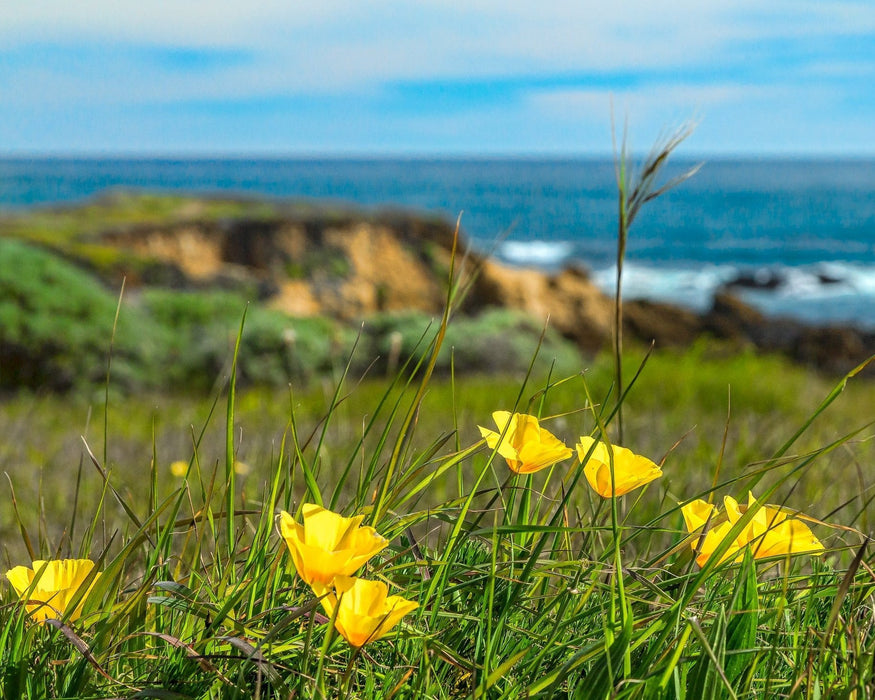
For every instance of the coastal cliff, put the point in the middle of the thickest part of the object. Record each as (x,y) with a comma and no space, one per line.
(351,266)
(312,262)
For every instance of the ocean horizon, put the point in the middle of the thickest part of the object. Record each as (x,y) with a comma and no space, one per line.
(794,235)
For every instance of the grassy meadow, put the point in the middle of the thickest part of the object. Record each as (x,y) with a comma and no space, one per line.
(679,409)
(513,574)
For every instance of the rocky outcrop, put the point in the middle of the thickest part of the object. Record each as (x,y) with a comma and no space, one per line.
(351,266)
(344,268)
(665,325)
(573,304)
(836,349)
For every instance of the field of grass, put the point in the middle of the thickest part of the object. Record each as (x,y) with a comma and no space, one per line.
(514,575)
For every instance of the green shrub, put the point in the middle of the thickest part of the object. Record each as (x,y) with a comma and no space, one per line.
(193,310)
(499,340)
(503,340)
(56,326)
(275,349)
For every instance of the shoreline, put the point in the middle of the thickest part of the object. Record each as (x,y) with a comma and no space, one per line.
(826,293)
(343,265)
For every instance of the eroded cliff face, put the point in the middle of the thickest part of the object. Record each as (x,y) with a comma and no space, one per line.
(352,268)
(573,304)
(349,267)
(344,269)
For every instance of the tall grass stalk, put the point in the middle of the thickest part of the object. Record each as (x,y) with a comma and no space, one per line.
(634,189)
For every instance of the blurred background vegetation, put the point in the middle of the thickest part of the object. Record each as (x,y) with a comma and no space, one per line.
(56,324)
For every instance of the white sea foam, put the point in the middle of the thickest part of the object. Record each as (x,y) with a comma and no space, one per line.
(693,288)
(834,292)
(537,253)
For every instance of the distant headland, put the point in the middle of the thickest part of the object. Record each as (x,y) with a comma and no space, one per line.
(302,260)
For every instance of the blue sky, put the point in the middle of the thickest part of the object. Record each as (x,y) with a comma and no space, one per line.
(445,78)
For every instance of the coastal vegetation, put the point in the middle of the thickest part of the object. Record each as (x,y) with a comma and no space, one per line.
(513,575)
(219,501)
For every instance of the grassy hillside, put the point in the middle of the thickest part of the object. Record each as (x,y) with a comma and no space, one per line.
(57,321)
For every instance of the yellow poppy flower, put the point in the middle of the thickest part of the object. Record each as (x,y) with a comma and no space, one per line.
(774,532)
(364,610)
(630,470)
(57,585)
(526,446)
(696,514)
(327,544)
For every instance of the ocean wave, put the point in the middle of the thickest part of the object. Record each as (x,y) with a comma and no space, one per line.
(824,293)
(537,253)
(692,288)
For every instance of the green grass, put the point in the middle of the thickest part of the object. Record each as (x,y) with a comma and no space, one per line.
(513,574)
(680,396)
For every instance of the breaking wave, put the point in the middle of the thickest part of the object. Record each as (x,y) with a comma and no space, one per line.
(824,293)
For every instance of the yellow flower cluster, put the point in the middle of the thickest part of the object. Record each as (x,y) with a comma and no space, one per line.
(326,550)
(528,448)
(612,470)
(772,531)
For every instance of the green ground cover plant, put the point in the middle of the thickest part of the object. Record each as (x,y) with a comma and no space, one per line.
(55,319)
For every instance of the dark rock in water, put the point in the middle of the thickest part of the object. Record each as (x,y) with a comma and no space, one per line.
(834,349)
(760,279)
(825,278)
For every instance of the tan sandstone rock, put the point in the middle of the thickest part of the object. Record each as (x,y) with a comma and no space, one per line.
(573,304)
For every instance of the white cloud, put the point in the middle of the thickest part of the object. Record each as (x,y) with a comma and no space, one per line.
(731,117)
(684,53)
(692,99)
(336,44)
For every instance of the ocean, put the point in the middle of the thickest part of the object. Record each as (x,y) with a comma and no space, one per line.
(795,237)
